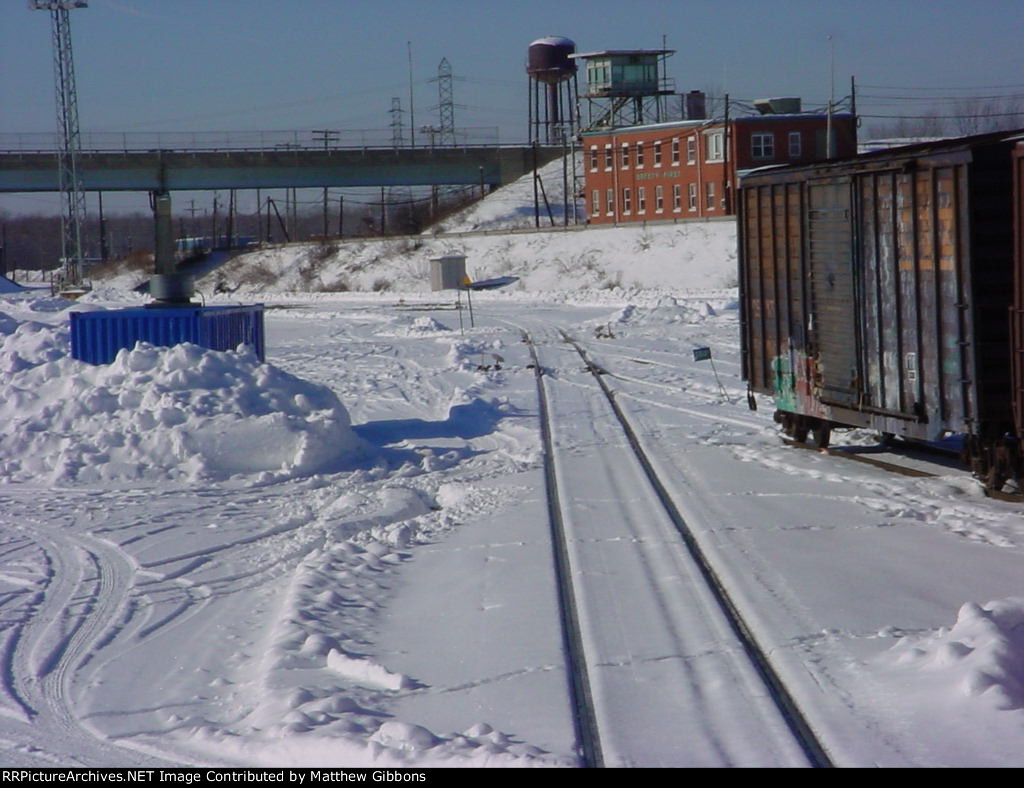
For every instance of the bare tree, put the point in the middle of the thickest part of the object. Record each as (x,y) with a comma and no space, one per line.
(981,115)
(963,117)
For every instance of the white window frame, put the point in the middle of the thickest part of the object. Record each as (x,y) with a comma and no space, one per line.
(677,197)
(609,158)
(641,199)
(691,149)
(595,202)
(715,141)
(624,156)
(709,195)
(658,152)
(593,158)
(627,201)
(675,150)
(795,145)
(659,199)
(762,145)
(692,196)
(609,202)
(639,155)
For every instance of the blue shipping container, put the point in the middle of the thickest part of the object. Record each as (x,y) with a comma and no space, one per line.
(96,337)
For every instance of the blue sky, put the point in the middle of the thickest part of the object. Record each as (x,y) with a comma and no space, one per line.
(170,65)
(241,65)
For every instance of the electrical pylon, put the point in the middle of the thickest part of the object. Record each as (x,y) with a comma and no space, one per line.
(446,102)
(72,194)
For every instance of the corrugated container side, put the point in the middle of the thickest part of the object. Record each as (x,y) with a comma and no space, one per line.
(884,305)
(992,265)
(96,337)
(1017,313)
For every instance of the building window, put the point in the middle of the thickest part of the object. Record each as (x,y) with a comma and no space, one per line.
(659,199)
(693,196)
(691,150)
(607,157)
(639,155)
(715,146)
(677,197)
(709,195)
(593,158)
(627,201)
(795,146)
(658,150)
(762,146)
(675,150)
(641,199)
(595,203)
(625,156)
(609,202)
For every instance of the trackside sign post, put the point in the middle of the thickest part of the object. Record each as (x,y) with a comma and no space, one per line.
(704,354)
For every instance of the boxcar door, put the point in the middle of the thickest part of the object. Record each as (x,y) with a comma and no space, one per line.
(833,304)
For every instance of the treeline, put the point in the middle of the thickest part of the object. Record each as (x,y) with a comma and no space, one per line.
(33,241)
(960,118)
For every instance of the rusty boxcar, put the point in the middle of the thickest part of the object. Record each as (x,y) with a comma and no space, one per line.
(876,292)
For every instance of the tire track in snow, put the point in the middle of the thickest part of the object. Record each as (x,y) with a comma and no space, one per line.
(93,579)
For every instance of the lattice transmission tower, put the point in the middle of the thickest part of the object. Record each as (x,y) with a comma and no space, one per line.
(446,103)
(72,194)
(397,130)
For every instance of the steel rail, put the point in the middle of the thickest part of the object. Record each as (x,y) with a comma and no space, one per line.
(896,468)
(584,717)
(798,725)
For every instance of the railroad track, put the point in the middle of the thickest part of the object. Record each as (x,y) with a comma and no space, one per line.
(905,461)
(664,670)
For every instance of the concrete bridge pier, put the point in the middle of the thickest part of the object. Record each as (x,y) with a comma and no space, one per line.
(167,286)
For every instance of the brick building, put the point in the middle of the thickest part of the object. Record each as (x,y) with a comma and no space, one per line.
(688,169)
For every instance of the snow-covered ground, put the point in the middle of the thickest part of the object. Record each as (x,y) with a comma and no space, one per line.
(340,558)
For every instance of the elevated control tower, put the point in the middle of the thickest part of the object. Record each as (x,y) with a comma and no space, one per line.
(625,87)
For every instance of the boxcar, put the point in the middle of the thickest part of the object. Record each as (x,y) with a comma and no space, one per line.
(876,292)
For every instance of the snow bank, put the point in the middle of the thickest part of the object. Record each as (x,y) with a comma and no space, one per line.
(981,656)
(181,413)
(680,256)
(498,237)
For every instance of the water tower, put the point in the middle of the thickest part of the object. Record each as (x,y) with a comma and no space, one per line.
(553,96)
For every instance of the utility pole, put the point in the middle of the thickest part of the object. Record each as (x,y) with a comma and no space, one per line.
(104,250)
(72,194)
(327,136)
(830,151)
(412,108)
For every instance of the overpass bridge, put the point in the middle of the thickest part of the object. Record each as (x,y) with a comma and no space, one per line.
(291,166)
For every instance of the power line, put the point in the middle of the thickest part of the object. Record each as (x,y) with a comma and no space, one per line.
(988,97)
(944,87)
(979,116)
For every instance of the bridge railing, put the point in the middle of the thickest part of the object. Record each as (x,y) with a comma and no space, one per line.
(300,139)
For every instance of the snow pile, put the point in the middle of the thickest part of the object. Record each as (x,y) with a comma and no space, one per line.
(183,413)
(981,656)
(413,327)
(512,206)
(321,689)
(698,254)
